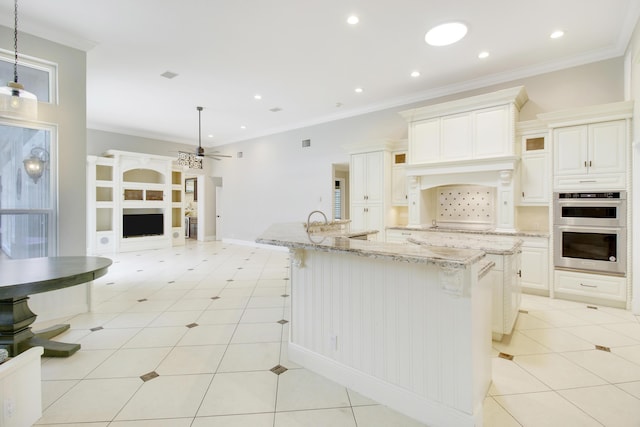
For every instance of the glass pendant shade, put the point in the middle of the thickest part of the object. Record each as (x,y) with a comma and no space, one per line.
(36,163)
(17,103)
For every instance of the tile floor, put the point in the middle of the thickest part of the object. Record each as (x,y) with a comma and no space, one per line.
(188,337)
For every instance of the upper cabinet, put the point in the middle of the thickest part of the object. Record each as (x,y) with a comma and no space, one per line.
(535,172)
(591,152)
(478,127)
(399,188)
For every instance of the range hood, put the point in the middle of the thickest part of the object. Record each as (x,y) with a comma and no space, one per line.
(497,173)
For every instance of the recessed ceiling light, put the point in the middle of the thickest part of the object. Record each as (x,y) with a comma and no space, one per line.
(243,127)
(557,34)
(210,136)
(353,20)
(257,96)
(415,74)
(359,90)
(446,34)
(483,55)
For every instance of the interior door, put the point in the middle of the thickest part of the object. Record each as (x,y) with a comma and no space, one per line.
(219,215)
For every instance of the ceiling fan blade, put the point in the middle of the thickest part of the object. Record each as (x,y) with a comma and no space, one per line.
(213,156)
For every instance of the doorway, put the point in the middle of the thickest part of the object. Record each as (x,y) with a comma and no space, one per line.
(340,191)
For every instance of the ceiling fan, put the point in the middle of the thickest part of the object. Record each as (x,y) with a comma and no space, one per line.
(194,160)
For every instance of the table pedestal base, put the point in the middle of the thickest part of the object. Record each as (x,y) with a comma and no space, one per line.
(16,335)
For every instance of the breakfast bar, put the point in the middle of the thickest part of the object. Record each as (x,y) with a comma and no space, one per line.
(406,325)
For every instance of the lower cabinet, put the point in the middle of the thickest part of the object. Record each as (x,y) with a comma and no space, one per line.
(506,293)
(535,265)
(368,217)
(598,288)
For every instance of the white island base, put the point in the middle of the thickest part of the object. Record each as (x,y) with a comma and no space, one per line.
(414,335)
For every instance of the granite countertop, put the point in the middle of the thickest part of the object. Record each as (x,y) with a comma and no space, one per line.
(293,236)
(491,244)
(518,233)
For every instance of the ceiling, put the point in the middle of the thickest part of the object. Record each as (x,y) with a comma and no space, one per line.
(302,57)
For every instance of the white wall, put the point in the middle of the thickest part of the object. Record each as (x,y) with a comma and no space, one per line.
(70,115)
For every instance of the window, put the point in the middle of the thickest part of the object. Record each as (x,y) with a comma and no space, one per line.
(338,199)
(28,207)
(37,76)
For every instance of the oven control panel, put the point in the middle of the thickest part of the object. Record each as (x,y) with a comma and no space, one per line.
(596,195)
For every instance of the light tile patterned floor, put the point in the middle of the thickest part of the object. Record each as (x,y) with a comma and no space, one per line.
(204,324)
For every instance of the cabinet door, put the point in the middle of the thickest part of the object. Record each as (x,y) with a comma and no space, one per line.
(491,132)
(374,216)
(399,186)
(374,177)
(456,137)
(534,179)
(570,148)
(607,147)
(358,178)
(424,141)
(358,217)
(535,268)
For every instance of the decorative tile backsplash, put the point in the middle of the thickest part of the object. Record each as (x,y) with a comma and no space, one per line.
(465,206)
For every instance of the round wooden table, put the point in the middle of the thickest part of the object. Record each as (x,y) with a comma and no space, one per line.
(24,277)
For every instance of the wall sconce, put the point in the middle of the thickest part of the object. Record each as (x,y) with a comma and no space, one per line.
(36,163)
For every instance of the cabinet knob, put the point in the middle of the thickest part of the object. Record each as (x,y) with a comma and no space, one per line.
(519,273)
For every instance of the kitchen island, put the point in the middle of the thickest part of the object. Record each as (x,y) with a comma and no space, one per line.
(406,325)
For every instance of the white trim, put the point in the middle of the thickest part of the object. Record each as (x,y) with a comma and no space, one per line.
(402,400)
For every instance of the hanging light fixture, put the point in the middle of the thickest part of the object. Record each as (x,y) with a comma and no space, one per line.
(36,163)
(14,100)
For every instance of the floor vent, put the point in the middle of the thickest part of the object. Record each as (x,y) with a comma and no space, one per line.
(505,356)
(306,143)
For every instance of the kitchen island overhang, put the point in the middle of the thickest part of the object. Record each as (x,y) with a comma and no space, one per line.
(408,326)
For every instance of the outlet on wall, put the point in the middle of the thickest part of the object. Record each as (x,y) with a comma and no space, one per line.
(9,407)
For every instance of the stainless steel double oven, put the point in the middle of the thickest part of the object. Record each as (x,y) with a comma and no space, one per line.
(590,231)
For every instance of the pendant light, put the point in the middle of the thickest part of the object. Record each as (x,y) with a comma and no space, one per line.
(14,100)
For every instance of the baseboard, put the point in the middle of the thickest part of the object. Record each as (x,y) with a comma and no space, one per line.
(404,401)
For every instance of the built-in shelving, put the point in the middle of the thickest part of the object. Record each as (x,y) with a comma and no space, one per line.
(125,183)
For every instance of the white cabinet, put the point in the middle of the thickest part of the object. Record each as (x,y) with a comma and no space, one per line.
(507,295)
(478,127)
(474,134)
(590,156)
(367,177)
(534,171)
(424,141)
(611,290)
(399,188)
(122,187)
(370,178)
(535,265)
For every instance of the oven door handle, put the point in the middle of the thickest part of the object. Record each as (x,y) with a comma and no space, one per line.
(587,229)
(590,203)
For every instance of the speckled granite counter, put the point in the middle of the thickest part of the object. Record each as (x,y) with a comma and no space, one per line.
(294,236)
(491,244)
(519,233)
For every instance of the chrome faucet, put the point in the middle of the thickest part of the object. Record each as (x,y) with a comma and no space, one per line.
(309,218)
